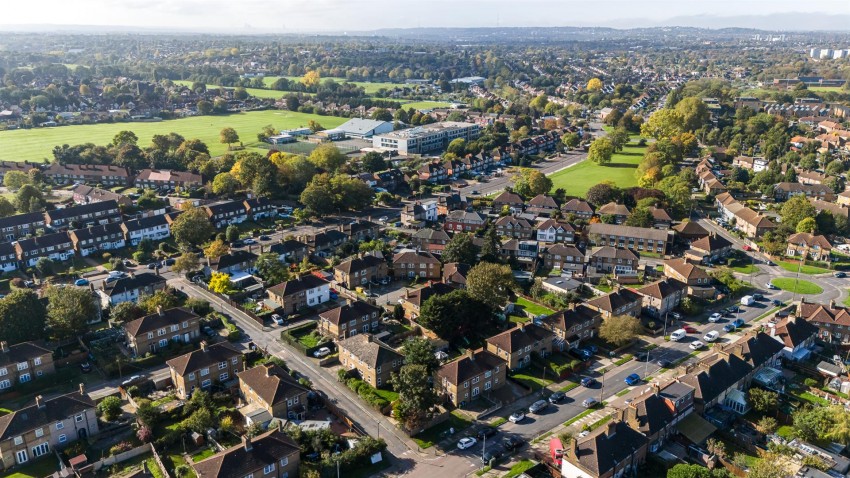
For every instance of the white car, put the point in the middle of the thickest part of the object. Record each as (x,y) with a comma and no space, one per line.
(278,319)
(516,417)
(584,434)
(322,352)
(696,345)
(715,317)
(466,442)
(711,336)
(383,219)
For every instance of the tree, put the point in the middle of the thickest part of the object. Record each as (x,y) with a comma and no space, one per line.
(159,300)
(270,268)
(420,351)
(144,434)
(594,84)
(69,310)
(29,199)
(232,233)
(453,315)
(600,151)
(216,249)
(126,312)
(228,136)
(327,157)
(125,137)
(187,262)
(715,447)
(6,207)
(147,413)
(204,107)
(220,283)
(109,408)
(490,284)
(688,471)
(200,420)
(795,210)
(840,429)
(766,425)
(311,78)
(602,193)
(570,140)
(315,126)
(15,180)
(770,466)
(44,266)
(694,113)
(640,217)
(490,248)
(619,138)
(373,162)
(664,123)
(460,249)
(763,400)
(22,316)
(620,329)
(808,224)
(531,182)
(417,398)
(192,227)
(224,184)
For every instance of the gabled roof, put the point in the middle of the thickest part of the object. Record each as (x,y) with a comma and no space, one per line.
(824,314)
(22,352)
(48,240)
(30,218)
(359,263)
(369,350)
(507,197)
(711,242)
(156,321)
(578,205)
(615,300)
(430,234)
(133,282)
(235,257)
(794,331)
(690,228)
(353,311)
(544,201)
(266,449)
(513,222)
(543,225)
(288,246)
(628,231)
(224,207)
(568,318)
(519,337)
(419,296)
(686,269)
(610,445)
(614,209)
(650,414)
(610,252)
(467,366)
(564,250)
(143,223)
(663,288)
(98,231)
(416,257)
(809,240)
(205,356)
(75,211)
(299,284)
(51,411)
(271,383)
(455,272)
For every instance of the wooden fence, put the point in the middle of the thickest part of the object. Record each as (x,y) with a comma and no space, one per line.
(111,460)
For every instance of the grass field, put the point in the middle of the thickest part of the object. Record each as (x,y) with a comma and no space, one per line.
(792,267)
(579,178)
(369,87)
(534,309)
(426,105)
(803,286)
(36,144)
(258,92)
(745,269)
(825,89)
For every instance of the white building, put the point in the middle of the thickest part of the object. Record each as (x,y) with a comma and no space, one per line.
(430,210)
(155,228)
(365,128)
(426,138)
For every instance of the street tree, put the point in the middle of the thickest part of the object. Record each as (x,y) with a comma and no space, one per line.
(232,233)
(531,182)
(192,228)
(187,262)
(601,151)
(69,309)
(417,399)
(620,329)
(460,249)
(125,312)
(216,249)
(570,140)
(220,283)
(491,284)
(327,157)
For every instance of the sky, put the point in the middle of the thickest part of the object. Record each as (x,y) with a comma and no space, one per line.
(297,16)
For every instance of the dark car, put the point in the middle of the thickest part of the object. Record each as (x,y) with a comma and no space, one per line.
(728,328)
(486,432)
(777,302)
(593,349)
(588,381)
(738,323)
(265,238)
(557,397)
(85,367)
(663,363)
(840,275)
(494,455)
(758,297)
(512,443)
(170,262)
(153,265)
(237,244)
(642,357)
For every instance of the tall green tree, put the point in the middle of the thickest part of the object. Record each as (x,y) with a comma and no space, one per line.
(795,210)
(228,136)
(192,228)
(420,351)
(328,157)
(620,329)
(23,316)
(454,315)
(69,309)
(270,268)
(531,182)
(490,284)
(601,151)
(460,249)
(417,398)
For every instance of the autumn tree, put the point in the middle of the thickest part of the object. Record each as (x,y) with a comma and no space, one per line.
(187,262)
(620,329)
(311,78)
(491,284)
(594,84)
(531,182)
(159,300)
(192,227)
(601,151)
(327,157)
(220,283)
(224,184)
(228,136)
(694,113)
(664,123)
(216,249)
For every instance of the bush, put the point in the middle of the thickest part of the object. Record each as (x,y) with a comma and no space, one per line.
(133,391)
(367,393)
(110,408)
(810,382)
(120,448)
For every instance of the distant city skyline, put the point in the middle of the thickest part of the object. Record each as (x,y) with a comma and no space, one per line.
(299,16)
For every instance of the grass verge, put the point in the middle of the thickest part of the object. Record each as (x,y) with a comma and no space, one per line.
(798,286)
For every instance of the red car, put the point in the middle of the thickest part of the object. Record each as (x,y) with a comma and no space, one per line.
(689,329)
(746,247)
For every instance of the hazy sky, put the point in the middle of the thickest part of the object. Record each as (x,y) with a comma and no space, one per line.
(358,15)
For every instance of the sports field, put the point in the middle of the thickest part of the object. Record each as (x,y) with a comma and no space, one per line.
(258,92)
(36,144)
(579,178)
(369,87)
(426,105)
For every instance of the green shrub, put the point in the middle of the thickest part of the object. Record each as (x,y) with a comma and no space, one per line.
(810,382)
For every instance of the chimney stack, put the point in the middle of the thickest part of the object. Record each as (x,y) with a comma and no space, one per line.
(470,354)
(39,401)
(521,326)
(246,443)
(369,338)
(611,428)
(82,389)
(159,310)
(832,304)
(203,345)
(4,346)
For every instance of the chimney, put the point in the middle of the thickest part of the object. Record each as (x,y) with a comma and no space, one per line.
(82,389)
(159,311)
(792,319)
(521,326)
(832,304)
(4,346)
(369,338)
(203,345)
(772,328)
(268,367)
(470,354)
(611,428)
(39,401)
(246,443)
(656,389)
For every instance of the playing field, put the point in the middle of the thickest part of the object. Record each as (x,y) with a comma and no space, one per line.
(426,105)
(578,179)
(36,144)
(824,89)
(258,92)
(368,86)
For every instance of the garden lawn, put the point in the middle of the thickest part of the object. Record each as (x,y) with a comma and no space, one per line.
(532,377)
(802,286)
(519,469)
(387,395)
(534,309)
(37,143)
(258,92)
(37,469)
(792,267)
(431,436)
(578,179)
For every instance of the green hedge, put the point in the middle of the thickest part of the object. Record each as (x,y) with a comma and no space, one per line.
(367,393)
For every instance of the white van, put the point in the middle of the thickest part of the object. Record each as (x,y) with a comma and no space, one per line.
(747,300)
(678,335)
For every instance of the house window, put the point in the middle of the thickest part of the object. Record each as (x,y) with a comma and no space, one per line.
(24,378)
(268,469)
(235,360)
(163,343)
(21,456)
(205,372)
(37,361)
(150,335)
(192,376)
(39,432)
(63,438)
(206,383)
(3,371)
(78,418)
(284,461)
(19,440)
(185,325)
(23,366)
(224,376)
(222,365)
(60,425)
(4,384)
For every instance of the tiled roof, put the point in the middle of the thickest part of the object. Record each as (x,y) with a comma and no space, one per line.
(542,200)
(809,240)
(614,209)
(825,314)
(430,234)
(237,461)
(690,228)
(75,211)
(712,242)
(578,205)
(205,356)
(568,318)
(359,263)
(686,269)
(609,252)
(22,352)
(419,296)
(519,337)
(271,383)
(133,282)
(794,331)
(294,286)
(466,367)
(415,257)
(348,312)
(615,300)
(156,321)
(51,411)
(369,350)
(507,197)
(610,445)
(628,231)
(663,288)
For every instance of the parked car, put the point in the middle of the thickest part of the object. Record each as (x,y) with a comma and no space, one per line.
(711,336)
(589,402)
(154,265)
(663,363)
(538,406)
(689,329)
(738,323)
(729,327)
(491,455)
(265,238)
(85,367)
(771,286)
(557,397)
(777,302)
(696,345)
(278,319)
(487,432)
(237,244)
(512,443)
(758,297)
(632,379)
(715,317)
(131,381)
(516,417)
(588,381)
(383,219)
(322,352)
(81,282)
(593,349)
(170,261)
(466,442)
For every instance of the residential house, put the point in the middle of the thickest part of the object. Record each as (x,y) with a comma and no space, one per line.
(467,221)
(103,174)
(551,230)
(84,215)
(305,291)
(511,199)
(466,378)
(93,239)
(563,257)
(40,429)
(689,231)
(698,281)
(709,249)
(786,190)
(572,325)
(290,251)
(20,166)
(661,297)
(272,454)
(421,264)
(225,213)
(755,164)
(21,225)
(797,335)
(805,246)
(23,362)
(430,240)
(390,179)
(511,226)
(542,205)
(525,254)
(271,388)
(84,194)
(640,239)
(618,211)
(657,412)
(235,262)
(259,208)
(360,270)
(8,257)
(200,369)
(518,345)
(413,299)
(57,247)
(450,202)
(433,172)
(660,218)
(805,176)
(843,198)
(373,360)
(130,288)
(836,209)
(350,319)
(611,451)
(154,228)
(154,332)
(613,260)
(361,230)
(168,179)
(620,302)
(324,243)
(579,208)
(832,321)
(412,214)
(454,273)
(724,376)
